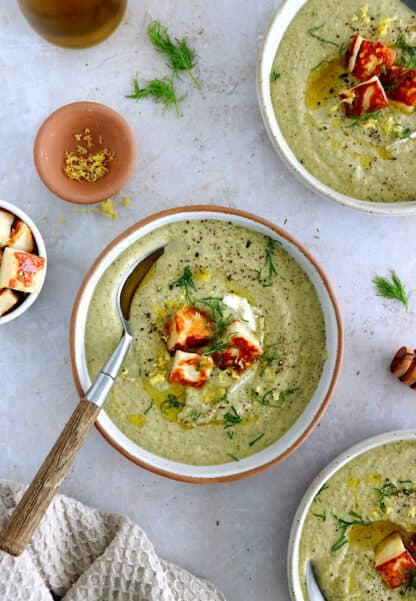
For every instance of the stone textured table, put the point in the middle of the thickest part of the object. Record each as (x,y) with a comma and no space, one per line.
(217,152)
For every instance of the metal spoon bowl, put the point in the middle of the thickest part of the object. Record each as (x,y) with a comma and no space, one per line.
(25,519)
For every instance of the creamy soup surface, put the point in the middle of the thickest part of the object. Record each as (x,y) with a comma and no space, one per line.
(235,414)
(371,158)
(376,493)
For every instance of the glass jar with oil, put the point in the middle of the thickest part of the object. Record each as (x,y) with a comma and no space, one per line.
(74,23)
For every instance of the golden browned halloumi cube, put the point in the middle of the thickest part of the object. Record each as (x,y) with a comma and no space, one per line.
(191,369)
(6,222)
(190,327)
(393,561)
(366,97)
(21,271)
(21,237)
(242,348)
(8,299)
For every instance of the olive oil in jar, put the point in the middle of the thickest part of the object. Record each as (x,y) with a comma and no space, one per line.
(74,23)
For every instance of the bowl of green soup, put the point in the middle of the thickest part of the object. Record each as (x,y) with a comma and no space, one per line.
(237,344)
(337,91)
(357,523)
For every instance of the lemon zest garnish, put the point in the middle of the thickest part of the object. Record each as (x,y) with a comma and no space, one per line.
(126,201)
(384,26)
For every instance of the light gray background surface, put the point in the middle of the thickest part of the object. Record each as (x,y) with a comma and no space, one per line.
(217,152)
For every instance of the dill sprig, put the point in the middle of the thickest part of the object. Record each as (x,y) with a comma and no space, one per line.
(219,319)
(270,355)
(231,418)
(275,75)
(390,489)
(343,526)
(313,32)
(171,402)
(180,57)
(269,264)
(263,399)
(321,516)
(253,442)
(393,289)
(365,117)
(317,497)
(411,583)
(186,281)
(162,91)
(408,53)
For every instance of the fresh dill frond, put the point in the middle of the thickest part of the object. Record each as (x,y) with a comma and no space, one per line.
(392,289)
(390,489)
(171,402)
(343,526)
(270,355)
(270,266)
(161,91)
(263,399)
(365,117)
(253,442)
(313,32)
(216,310)
(186,281)
(231,418)
(317,497)
(275,75)
(180,57)
(408,53)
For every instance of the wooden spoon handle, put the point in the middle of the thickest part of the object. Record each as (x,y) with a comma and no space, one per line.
(19,530)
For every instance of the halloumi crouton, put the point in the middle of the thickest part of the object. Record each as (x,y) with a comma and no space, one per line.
(242,350)
(393,561)
(8,299)
(190,327)
(6,222)
(21,271)
(191,369)
(21,237)
(367,97)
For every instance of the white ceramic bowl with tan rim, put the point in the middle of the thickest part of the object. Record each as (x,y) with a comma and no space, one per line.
(40,250)
(314,410)
(273,36)
(294,581)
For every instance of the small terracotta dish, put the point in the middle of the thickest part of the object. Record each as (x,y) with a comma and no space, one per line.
(107,128)
(26,299)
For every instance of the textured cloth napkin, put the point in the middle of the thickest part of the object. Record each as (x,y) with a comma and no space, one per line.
(80,554)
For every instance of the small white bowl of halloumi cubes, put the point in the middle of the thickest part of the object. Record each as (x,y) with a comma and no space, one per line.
(22,262)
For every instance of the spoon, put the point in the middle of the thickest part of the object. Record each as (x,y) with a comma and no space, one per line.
(25,519)
(312,587)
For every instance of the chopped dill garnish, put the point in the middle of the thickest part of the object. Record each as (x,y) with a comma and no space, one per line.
(172,402)
(179,56)
(270,266)
(233,457)
(230,434)
(219,346)
(231,418)
(411,583)
(285,393)
(253,442)
(270,355)
(275,75)
(343,526)
(321,516)
(408,53)
(323,62)
(313,32)
(390,489)
(401,132)
(263,399)
(186,281)
(317,497)
(365,117)
(146,411)
(216,309)
(393,289)
(162,91)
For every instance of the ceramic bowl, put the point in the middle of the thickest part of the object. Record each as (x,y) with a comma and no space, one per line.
(302,511)
(314,410)
(56,135)
(277,28)
(40,250)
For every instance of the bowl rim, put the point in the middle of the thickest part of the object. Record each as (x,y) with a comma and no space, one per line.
(128,164)
(30,299)
(212,210)
(323,476)
(266,55)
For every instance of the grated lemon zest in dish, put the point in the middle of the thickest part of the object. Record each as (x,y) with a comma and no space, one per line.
(384,26)
(83,165)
